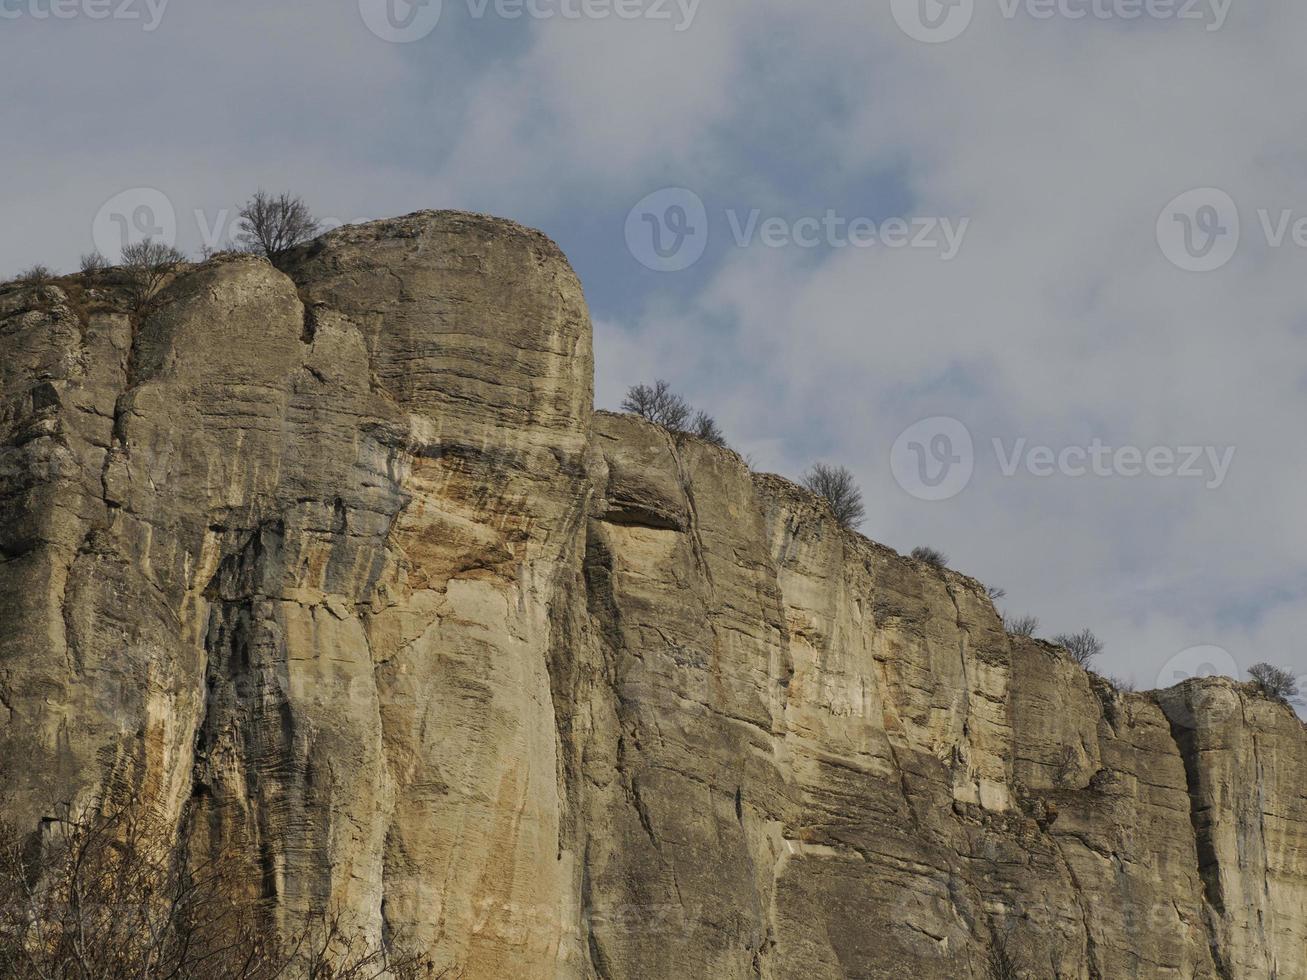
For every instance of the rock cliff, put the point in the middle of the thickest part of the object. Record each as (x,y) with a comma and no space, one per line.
(338,567)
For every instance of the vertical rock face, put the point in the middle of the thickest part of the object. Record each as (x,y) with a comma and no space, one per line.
(337,567)
(1246,759)
(285,563)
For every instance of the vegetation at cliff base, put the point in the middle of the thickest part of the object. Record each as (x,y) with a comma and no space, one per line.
(107,893)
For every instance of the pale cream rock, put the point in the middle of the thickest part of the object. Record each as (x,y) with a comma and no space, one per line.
(339,567)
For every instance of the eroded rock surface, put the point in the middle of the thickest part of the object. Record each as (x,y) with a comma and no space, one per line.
(338,567)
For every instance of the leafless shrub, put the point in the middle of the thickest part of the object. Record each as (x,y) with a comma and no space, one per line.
(106,898)
(705,427)
(1084,647)
(325,949)
(1001,964)
(660,405)
(836,484)
(1121,683)
(931,556)
(93,263)
(272,225)
(209,252)
(148,264)
(995,593)
(1276,683)
(37,275)
(1068,763)
(108,895)
(1021,625)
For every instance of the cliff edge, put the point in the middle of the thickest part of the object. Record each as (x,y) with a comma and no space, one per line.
(337,567)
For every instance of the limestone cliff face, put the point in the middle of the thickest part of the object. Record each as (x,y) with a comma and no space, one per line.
(339,568)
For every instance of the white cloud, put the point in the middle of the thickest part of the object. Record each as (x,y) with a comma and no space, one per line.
(1060,320)
(1062,142)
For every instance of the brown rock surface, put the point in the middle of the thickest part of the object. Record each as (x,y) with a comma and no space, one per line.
(338,567)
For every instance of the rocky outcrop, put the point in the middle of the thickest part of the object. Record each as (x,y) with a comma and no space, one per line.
(337,567)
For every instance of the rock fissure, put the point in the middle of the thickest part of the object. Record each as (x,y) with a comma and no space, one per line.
(358,585)
(1091,950)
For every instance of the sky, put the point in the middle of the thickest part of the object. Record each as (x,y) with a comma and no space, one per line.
(1031,269)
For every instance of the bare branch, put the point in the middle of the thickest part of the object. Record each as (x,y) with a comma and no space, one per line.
(836,484)
(1021,625)
(271,226)
(931,556)
(1276,683)
(1084,647)
(110,894)
(148,265)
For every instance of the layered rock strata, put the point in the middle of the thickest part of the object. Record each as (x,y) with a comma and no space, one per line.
(337,567)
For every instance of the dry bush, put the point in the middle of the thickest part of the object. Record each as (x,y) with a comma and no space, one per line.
(837,486)
(274,225)
(37,275)
(660,405)
(931,556)
(1275,682)
(93,263)
(1084,647)
(147,265)
(1021,625)
(107,895)
(1068,763)
(1001,965)
(995,593)
(663,407)
(325,950)
(705,427)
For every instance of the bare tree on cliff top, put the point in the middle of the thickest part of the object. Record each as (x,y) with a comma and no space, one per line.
(663,407)
(274,225)
(660,405)
(1084,647)
(37,275)
(837,485)
(931,556)
(705,427)
(1276,682)
(1020,625)
(148,265)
